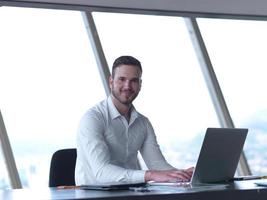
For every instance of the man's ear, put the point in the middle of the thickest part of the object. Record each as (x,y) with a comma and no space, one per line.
(110,80)
(140,84)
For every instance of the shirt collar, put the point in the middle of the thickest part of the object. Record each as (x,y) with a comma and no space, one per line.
(114,113)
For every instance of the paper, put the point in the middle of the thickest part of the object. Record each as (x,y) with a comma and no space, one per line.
(113,186)
(261,183)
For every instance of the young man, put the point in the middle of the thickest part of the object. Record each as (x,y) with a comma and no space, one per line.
(112,132)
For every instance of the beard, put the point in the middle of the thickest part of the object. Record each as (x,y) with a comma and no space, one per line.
(122,99)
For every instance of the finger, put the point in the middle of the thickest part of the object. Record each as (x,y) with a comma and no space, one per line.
(190,169)
(184,176)
(185,173)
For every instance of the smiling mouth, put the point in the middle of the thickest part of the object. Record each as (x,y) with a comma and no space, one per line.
(127,93)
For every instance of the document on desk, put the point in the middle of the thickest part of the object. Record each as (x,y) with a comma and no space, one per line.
(261,183)
(113,186)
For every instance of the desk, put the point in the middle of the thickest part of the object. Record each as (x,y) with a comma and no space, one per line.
(245,190)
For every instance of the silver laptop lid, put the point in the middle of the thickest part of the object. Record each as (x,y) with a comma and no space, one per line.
(219,155)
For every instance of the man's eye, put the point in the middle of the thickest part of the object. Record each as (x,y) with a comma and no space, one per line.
(136,80)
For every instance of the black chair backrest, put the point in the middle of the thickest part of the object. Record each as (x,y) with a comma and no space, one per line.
(62,168)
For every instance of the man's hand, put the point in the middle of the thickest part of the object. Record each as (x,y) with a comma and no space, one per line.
(169,175)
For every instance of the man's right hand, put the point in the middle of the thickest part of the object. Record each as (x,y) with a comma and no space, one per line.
(169,175)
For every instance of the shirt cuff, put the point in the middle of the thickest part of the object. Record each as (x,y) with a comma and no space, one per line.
(138,176)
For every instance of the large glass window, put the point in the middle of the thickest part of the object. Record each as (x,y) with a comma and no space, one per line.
(48,79)
(174,95)
(238,52)
(4,181)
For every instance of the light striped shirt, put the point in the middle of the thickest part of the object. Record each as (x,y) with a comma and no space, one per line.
(107,146)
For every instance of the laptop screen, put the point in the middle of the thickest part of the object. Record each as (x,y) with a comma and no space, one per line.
(219,155)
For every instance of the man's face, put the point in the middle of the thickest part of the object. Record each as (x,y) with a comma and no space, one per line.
(126,83)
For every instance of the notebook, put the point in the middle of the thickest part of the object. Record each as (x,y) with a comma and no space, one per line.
(218,157)
(113,186)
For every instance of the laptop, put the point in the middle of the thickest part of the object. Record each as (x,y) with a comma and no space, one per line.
(218,157)
(217,161)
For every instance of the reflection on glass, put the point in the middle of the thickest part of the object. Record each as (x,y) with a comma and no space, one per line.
(174,95)
(4,180)
(238,52)
(48,79)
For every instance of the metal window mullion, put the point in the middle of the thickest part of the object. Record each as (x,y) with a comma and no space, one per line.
(8,156)
(213,85)
(97,49)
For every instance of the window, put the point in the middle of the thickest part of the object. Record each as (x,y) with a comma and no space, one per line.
(48,79)
(174,95)
(237,51)
(4,181)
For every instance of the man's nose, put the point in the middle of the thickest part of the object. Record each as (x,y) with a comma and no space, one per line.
(127,84)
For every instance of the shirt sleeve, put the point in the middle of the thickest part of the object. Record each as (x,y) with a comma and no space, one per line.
(95,153)
(151,152)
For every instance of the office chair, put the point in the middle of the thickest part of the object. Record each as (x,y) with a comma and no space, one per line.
(62,168)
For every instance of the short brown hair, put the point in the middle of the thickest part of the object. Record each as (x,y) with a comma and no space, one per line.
(125,60)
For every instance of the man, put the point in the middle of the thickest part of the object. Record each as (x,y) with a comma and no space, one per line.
(112,132)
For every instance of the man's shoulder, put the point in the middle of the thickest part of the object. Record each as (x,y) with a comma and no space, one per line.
(141,116)
(98,109)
